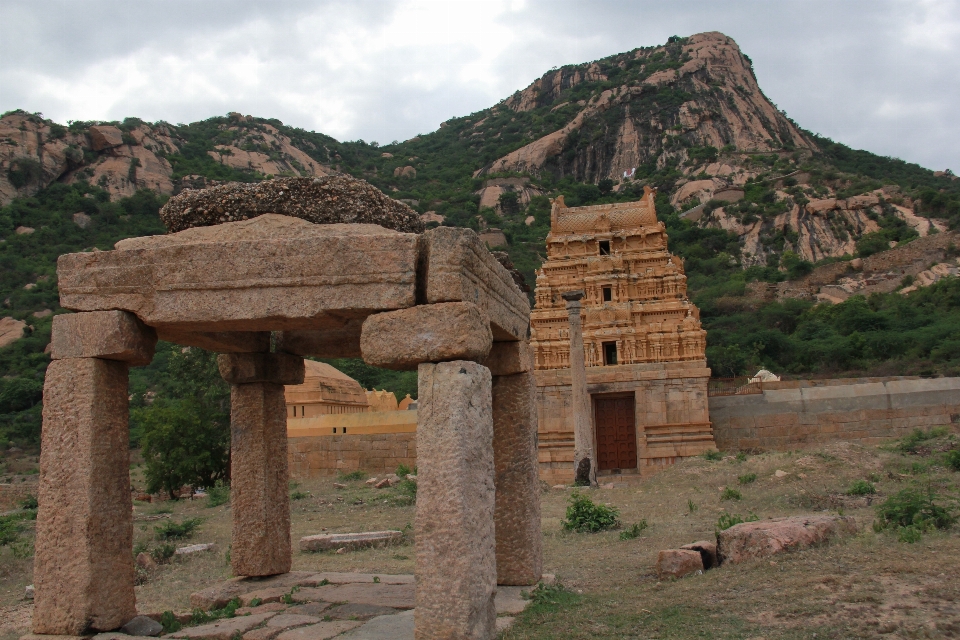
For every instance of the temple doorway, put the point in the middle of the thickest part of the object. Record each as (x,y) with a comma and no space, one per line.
(616,433)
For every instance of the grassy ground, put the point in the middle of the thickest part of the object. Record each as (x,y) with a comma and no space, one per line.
(865,586)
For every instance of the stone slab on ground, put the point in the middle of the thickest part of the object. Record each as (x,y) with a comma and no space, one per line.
(751,540)
(396,627)
(287,620)
(220,594)
(325,541)
(310,608)
(222,629)
(511,600)
(351,611)
(319,631)
(397,596)
(196,548)
(334,577)
(270,595)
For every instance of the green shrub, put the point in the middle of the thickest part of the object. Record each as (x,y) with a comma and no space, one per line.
(170,530)
(953,459)
(741,456)
(229,610)
(10,528)
(584,516)
(353,476)
(633,531)
(163,552)
(747,478)
(691,506)
(403,470)
(404,493)
(861,488)
(299,495)
(30,502)
(914,507)
(728,520)
(218,494)
(730,494)
(169,622)
(712,455)
(909,534)
(912,441)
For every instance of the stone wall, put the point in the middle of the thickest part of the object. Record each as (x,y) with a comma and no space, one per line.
(797,414)
(671,413)
(374,442)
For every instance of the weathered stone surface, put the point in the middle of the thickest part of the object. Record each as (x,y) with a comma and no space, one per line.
(224,629)
(355,611)
(310,608)
(263,633)
(196,548)
(455,541)
(339,340)
(269,595)
(707,550)
(220,594)
(457,267)
(510,600)
(326,541)
(509,358)
(258,496)
(142,626)
(751,540)
(320,631)
(405,338)
(220,341)
(111,335)
(504,623)
(325,200)
(11,330)
(676,563)
(396,596)
(275,368)
(519,540)
(333,577)
(83,572)
(104,136)
(287,620)
(269,273)
(266,608)
(395,627)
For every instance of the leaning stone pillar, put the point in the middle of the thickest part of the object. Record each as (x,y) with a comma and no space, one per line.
(260,543)
(83,570)
(456,561)
(584,460)
(519,539)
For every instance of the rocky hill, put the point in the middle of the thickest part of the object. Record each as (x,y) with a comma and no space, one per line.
(769,218)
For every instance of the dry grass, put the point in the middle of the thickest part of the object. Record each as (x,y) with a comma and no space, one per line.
(865,586)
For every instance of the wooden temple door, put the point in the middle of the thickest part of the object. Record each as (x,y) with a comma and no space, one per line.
(616,434)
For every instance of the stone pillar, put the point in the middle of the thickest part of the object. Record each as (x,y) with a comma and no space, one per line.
(519,540)
(455,538)
(83,570)
(260,543)
(584,459)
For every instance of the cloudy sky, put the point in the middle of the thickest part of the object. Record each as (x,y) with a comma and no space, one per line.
(881,75)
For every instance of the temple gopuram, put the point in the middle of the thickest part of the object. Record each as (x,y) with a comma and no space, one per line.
(643,345)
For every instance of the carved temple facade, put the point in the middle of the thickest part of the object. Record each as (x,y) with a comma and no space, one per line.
(643,344)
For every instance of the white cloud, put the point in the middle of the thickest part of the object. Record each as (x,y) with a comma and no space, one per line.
(879,75)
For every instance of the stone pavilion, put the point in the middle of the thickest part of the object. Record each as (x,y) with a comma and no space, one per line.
(643,344)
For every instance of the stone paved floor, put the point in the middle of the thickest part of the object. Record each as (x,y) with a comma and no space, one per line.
(315,606)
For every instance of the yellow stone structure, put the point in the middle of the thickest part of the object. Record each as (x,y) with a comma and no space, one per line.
(643,343)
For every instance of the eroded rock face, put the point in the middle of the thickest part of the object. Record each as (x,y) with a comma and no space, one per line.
(324,200)
(751,540)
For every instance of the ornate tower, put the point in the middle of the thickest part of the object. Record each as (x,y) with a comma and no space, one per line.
(641,335)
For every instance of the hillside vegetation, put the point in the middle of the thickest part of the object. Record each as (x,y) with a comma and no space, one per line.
(686,118)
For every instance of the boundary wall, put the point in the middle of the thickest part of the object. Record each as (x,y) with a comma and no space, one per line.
(798,413)
(375,442)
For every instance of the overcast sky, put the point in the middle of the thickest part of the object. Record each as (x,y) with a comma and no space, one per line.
(877,75)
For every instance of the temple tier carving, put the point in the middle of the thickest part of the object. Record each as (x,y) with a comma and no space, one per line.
(635,308)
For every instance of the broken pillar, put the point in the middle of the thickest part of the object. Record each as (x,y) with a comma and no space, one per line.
(518,536)
(584,460)
(83,573)
(455,541)
(260,543)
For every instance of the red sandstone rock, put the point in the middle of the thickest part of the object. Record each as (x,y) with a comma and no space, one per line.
(707,550)
(104,137)
(751,540)
(676,563)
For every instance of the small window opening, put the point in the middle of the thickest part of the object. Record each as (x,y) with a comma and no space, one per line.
(344,429)
(604,247)
(294,412)
(334,429)
(609,353)
(607,294)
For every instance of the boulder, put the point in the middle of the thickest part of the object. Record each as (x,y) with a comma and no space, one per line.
(707,550)
(405,172)
(751,540)
(24,231)
(11,330)
(142,626)
(324,200)
(676,563)
(145,561)
(82,220)
(196,548)
(104,137)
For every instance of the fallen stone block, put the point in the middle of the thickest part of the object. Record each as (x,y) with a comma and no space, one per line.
(751,540)
(196,548)
(405,338)
(334,577)
(110,335)
(707,550)
(320,631)
(142,626)
(28,592)
(676,563)
(382,484)
(327,541)
(372,481)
